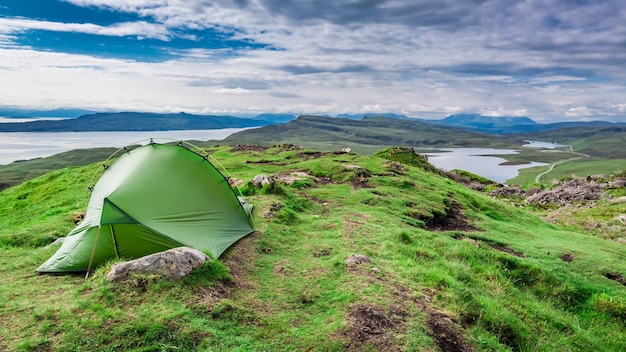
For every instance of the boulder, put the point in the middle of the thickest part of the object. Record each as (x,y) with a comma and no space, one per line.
(174,264)
(261,180)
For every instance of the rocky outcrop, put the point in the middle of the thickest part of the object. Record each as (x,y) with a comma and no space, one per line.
(174,264)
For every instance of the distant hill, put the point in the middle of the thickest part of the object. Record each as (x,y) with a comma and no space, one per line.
(70,113)
(480,122)
(511,124)
(367,135)
(597,141)
(362,116)
(275,118)
(133,121)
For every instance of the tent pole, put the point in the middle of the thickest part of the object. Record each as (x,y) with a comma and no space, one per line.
(93,252)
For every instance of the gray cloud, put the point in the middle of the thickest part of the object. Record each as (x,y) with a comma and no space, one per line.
(311,69)
(545,59)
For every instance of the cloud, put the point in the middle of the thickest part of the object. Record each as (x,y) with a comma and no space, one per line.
(547,60)
(237,90)
(140,29)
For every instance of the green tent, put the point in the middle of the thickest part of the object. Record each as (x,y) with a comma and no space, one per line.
(151,199)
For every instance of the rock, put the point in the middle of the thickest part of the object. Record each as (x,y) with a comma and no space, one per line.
(296,176)
(174,264)
(235,182)
(357,259)
(261,180)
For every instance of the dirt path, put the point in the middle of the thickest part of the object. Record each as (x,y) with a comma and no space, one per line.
(571,150)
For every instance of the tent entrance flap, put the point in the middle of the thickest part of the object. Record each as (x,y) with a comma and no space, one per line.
(112,214)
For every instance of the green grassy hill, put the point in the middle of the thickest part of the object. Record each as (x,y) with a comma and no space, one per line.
(17,172)
(368,135)
(451,269)
(132,121)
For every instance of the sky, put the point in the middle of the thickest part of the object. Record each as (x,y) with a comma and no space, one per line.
(550,60)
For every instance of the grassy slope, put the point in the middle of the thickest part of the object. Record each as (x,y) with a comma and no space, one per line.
(366,136)
(17,172)
(580,167)
(288,287)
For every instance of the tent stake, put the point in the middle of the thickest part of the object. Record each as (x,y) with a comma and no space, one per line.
(93,252)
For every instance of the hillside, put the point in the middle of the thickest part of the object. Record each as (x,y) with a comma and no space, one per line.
(451,269)
(601,141)
(132,121)
(514,124)
(366,135)
(17,172)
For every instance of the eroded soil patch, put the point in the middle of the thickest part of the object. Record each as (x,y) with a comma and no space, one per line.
(446,333)
(616,277)
(306,155)
(249,148)
(373,326)
(451,219)
(504,248)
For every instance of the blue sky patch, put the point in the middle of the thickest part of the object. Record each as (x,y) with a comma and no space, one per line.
(138,47)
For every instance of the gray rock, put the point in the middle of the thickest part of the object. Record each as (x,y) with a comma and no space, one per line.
(174,264)
(357,259)
(261,180)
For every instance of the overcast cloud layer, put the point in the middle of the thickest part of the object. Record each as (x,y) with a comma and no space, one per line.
(549,60)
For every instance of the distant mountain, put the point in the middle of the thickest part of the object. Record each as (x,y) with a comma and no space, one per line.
(512,124)
(275,118)
(132,121)
(488,120)
(362,116)
(69,113)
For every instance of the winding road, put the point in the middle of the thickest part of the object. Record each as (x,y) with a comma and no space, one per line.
(552,166)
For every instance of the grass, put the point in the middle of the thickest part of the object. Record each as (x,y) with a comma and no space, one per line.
(576,168)
(17,172)
(501,287)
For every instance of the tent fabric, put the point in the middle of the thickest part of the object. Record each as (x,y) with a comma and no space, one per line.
(151,199)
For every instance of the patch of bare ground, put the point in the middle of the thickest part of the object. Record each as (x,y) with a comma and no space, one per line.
(504,248)
(239,260)
(447,335)
(370,326)
(373,327)
(360,181)
(248,148)
(306,155)
(615,277)
(267,162)
(452,219)
(568,257)
(271,211)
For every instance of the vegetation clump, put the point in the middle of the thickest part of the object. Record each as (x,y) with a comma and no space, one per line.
(407,156)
